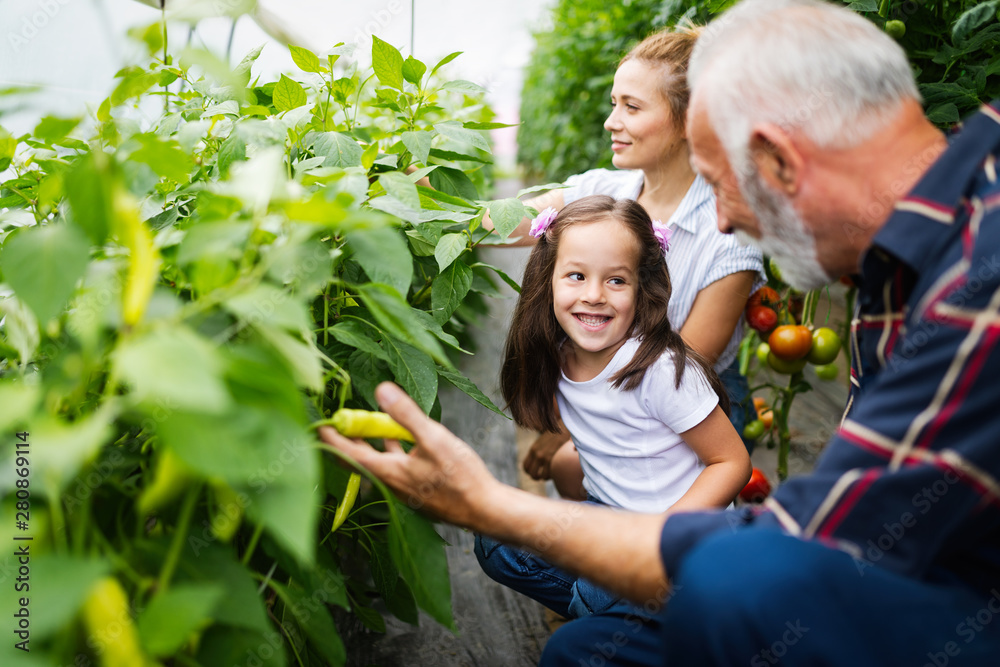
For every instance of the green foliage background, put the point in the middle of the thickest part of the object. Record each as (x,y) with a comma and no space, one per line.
(192,279)
(954,47)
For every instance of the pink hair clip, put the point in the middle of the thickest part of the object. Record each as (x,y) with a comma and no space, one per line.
(662,233)
(542,221)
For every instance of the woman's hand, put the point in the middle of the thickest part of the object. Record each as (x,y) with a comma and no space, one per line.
(538,462)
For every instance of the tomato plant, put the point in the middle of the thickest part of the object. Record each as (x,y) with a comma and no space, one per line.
(754,429)
(761,318)
(825,346)
(757,489)
(827,372)
(789,342)
(192,279)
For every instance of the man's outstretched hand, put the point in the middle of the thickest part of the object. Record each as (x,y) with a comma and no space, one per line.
(441,474)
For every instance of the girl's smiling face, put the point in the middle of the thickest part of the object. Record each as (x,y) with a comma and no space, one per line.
(642,132)
(594,288)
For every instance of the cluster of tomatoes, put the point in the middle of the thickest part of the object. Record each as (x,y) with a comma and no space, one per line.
(790,346)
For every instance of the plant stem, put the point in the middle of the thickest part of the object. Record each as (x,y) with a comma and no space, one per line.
(166,87)
(253,544)
(177,545)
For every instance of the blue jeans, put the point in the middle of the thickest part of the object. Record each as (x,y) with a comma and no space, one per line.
(741,409)
(759,597)
(562,592)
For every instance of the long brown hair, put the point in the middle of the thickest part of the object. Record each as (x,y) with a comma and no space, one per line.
(531,368)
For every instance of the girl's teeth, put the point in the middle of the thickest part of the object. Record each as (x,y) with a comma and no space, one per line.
(592,321)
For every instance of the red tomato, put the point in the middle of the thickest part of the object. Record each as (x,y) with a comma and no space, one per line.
(761,318)
(757,489)
(790,342)
(765,296)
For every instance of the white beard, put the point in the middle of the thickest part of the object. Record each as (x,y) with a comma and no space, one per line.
(784,236)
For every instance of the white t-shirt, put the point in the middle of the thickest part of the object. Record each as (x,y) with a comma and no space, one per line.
(630,450)
(699,254)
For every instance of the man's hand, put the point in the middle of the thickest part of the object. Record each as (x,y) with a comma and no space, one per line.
(441,475)
(538,460)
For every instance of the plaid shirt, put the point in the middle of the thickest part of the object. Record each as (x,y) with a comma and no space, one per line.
(911,480)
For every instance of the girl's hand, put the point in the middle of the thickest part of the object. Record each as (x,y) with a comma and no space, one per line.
(538,462)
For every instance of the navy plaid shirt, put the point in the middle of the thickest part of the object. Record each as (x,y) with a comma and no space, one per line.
(911,480)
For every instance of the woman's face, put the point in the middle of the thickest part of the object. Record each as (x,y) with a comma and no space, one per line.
(642,132)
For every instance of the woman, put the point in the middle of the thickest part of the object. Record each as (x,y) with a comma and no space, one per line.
(712,274)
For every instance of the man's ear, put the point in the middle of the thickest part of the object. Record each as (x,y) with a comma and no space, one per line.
(778,160)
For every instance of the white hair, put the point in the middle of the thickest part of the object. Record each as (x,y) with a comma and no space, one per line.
(805,65)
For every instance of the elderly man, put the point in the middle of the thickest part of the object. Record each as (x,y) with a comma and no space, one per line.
(806,120)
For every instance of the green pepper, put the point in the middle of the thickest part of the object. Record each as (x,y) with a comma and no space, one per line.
(113,634)
(347,502)
(366,424)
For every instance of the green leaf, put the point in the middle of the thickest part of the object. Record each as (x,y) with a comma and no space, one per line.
(59,585)
(473,125)
(414,371)
(465,385)
(973,18)
(453,130)
(418,552)
(340,150)
(387,63)
(453,182)
(263,452)
(862,6)
(88,189)
(221,645)
(61,449)
(398,185)
(419,144)
(52,129)
(367,371)
(351,333)
(449,248)
(173,367)
(19,400)
(313,617)
(413,70)
(305,59)
(943,114)
(209,564)
(288,94)
(449,289)
(175,614)
(444,61)
(302,357)
(43,265)
(384,256)
(506,215)
(540,188)
(462,86)
(233,149)
(397,317)
(503,276)
(165,158)
(21,328)
(266,303)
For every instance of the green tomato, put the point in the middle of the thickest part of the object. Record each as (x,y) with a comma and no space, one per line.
(827,371)
(774,269)
(753,430)
(825,346)
(779,365)
(895,29)
(762,351)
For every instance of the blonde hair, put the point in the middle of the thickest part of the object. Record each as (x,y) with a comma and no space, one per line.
(670,50)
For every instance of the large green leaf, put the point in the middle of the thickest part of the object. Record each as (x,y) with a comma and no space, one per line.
(419,144)
(267,303)
(19,400)
(453,182)
(414,372)
(419,554)
(305,59)
(222,645)
(466,385)
(387,63)
(349,332)
(455,131)
(973,18)
(288,94)
(413,70)
(506,215)
(398,185)
(340,150)
(384,256)
(301,355)
(396,316)
(164,156)
(449,289)
(173,368)
(311,614)
(59,585)
(43,264)
(210,564)
(449,248)
(174,615)
(264,453)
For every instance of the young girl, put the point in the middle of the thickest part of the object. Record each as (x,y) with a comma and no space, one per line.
(646,413)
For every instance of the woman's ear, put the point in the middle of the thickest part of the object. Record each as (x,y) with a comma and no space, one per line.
(778,160)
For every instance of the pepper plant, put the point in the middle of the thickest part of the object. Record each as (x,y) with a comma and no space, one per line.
(191,278)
